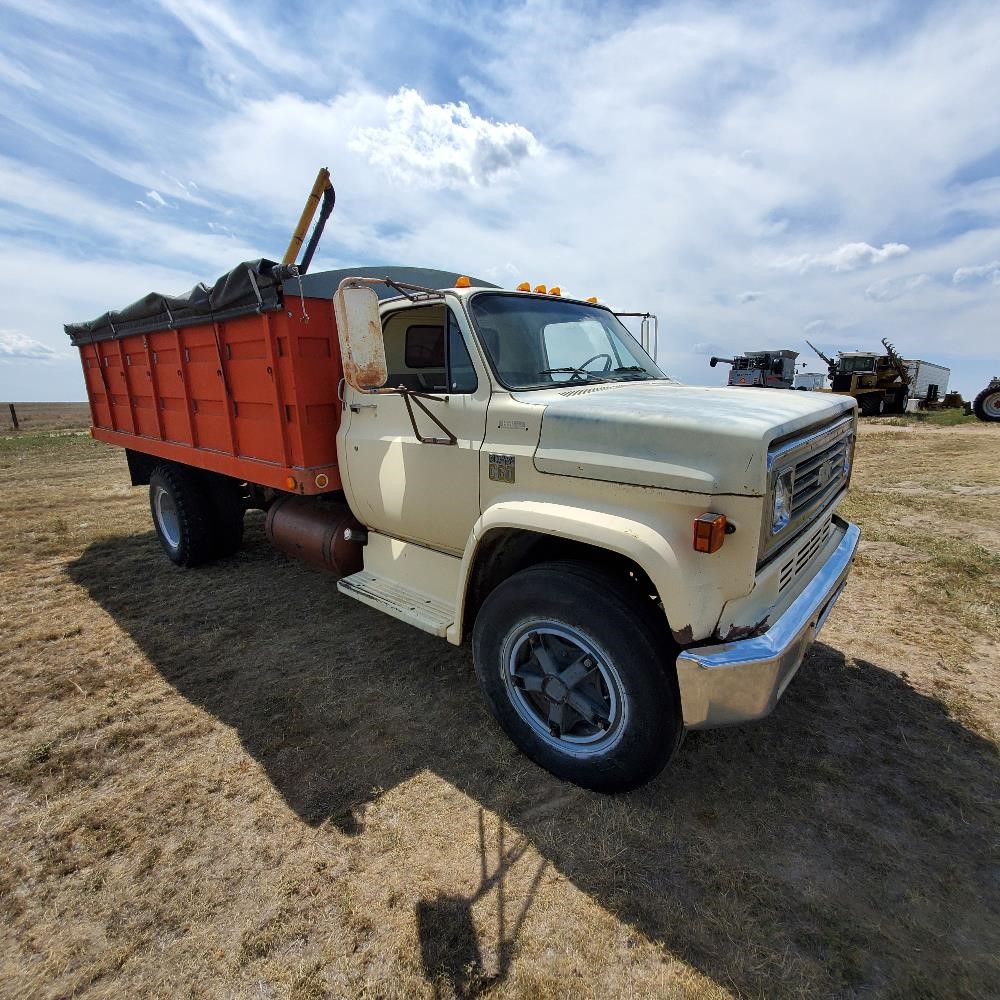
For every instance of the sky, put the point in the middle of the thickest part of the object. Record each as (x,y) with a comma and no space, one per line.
(754,174)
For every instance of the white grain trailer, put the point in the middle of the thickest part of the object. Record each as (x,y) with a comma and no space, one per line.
(928,382)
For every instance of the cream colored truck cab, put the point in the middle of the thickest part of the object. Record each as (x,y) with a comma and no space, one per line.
(631,557)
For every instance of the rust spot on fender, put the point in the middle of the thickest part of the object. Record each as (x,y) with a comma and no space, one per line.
(746,631)
(683,636)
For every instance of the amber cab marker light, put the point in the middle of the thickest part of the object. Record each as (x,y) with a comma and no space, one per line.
(592,300)
(709,532)
(462,281)
(540,289)
(525,286)
(555,290)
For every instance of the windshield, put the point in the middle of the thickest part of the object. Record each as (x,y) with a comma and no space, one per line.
(534,343)
(850,365)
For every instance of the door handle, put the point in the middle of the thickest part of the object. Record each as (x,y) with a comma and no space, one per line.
(358,407)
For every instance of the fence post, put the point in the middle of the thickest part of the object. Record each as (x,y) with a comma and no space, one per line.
(13,417)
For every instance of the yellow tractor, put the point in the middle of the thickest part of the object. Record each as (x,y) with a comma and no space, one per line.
(879,382)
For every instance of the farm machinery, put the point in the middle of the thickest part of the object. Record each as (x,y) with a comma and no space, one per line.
(764,369)
(884,383)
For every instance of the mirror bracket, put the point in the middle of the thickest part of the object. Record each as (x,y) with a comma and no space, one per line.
(418,397)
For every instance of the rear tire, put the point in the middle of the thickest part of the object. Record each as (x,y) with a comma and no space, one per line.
(871,405)
(577,673)
(182,514)
(987,405)
(229,506)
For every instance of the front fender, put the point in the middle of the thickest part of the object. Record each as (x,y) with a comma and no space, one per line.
(634,539)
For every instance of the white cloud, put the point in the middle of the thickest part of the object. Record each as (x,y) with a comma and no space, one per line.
(817,327)
(890,289)
(441,145)
(15,346)
(156,197)
(707,347)
(977,275)
(660,159)
(847,257)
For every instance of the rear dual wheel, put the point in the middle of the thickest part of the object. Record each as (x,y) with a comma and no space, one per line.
(197,517)
(578,675)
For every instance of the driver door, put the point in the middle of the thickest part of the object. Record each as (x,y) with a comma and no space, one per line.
(397,481)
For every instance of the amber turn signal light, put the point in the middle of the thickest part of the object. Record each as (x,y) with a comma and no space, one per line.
(709,532)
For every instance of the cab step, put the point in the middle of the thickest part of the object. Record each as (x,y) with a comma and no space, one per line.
(411,606)
(415,584)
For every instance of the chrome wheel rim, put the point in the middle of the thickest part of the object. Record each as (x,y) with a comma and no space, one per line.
(166,517)
(565,688)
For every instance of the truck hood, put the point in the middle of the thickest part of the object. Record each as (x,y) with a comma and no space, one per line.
(691,438)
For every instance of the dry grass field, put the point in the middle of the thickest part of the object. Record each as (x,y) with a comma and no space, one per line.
(37,417)
(234,782)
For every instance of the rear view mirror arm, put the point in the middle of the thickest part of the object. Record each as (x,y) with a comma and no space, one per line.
(418,397)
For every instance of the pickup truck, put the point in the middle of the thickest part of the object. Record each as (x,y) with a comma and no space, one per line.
(629,557)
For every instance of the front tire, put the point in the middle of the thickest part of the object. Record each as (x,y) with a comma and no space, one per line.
(574,668)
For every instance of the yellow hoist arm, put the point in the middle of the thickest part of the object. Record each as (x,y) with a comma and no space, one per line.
(312,203)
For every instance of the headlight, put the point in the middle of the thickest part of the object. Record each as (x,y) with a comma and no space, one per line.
(848,457)
(782,511)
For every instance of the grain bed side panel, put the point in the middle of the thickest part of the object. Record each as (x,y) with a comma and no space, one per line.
(253,397)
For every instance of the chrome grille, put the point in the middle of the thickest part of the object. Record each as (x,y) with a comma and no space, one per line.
(820,475)
(818,463)
(803,555)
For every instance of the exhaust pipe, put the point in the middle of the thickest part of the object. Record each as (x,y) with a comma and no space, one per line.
(326,535)
(329,200)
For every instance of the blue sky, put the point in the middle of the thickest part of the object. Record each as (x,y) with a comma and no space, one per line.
(753,173)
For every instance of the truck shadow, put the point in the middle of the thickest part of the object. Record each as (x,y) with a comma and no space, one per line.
(839,847)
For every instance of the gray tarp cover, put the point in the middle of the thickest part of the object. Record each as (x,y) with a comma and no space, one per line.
(232,295)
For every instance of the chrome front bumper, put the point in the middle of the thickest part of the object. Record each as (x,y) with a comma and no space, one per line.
(739,681)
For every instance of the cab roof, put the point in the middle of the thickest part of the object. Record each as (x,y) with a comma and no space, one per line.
(322,284)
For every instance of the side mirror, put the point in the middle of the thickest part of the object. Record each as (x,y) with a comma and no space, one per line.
(359,327)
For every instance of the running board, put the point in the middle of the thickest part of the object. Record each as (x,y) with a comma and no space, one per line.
(411,606)
(415,584)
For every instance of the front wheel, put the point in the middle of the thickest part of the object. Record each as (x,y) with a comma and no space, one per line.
(574,669)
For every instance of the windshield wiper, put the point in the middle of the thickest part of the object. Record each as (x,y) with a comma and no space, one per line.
(571,371)
(633,370)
